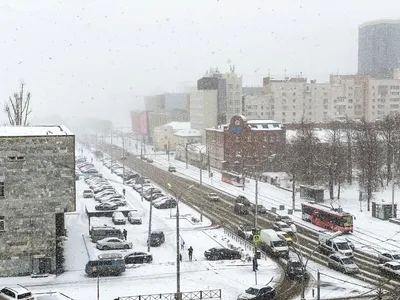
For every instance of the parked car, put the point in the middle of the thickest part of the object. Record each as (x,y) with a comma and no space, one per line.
(157,238)
(221,253)
(106,206)
(154,196)
(113,265)
(101,232)
(388,256)
(138,258)
(16,292)
(288,220)
(113,243)
(260,209)
(212,197)
(240,209)
(135,217)
(108,197)
(149,160)
(243,200)
(168,203)
(258,292)
(342,263)
(118,218)
(116,201)
(171,169)
(87,194)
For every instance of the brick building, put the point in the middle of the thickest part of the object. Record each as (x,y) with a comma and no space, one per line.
(244,144)
(37,186)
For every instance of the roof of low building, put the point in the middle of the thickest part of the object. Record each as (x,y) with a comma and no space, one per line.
(15,131)
(178,125)
(188,132)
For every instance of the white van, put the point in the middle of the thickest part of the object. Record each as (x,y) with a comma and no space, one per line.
(329,245)
(273,244)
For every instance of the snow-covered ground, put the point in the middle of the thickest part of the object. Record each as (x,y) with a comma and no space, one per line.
(232,277)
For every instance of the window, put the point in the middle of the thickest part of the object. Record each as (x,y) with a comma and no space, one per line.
(1,189)
(2,226)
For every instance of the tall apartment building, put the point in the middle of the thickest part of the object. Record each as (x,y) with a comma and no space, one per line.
(203,109)
(256,103)
(378,48)
(229,87)
(345,96)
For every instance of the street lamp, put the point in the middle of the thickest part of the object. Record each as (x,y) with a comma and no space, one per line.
(178,261)
(393,178)
(201,164)
(304,265)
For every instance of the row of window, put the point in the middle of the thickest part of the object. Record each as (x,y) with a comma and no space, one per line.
(266,138)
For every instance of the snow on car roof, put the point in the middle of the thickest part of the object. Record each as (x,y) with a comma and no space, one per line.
(55,130)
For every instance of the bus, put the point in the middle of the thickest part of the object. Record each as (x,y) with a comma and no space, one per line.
(233,178)
(327,217)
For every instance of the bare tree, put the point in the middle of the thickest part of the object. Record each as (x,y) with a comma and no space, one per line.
(348,129)
(18,108)
(369,157)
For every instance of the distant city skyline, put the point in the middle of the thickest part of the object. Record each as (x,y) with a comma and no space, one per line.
(96,59)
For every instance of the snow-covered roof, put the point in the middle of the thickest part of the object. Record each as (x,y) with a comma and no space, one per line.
(381,21)
(188,132)
(55,130)
(178,125)
(264,125)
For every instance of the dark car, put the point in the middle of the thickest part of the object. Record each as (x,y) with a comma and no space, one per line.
(138,258)
(260,209)
(258,292)
(221,253)
(106,206)
(168,203)
(149,160)
(242,199)
(157,238)
(171,169)
(295,269)
(153,196)
(240,209)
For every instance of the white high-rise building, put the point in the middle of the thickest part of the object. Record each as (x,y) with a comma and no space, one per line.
(203,109)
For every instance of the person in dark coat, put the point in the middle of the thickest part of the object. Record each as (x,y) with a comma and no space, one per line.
(190,251)
(125,234)
(180,256)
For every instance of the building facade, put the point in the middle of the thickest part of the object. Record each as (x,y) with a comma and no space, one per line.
(203,109)
(378,48)
(246,144)
(164,138)
(37,187)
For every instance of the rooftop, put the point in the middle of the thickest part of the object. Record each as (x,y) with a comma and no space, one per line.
(264,125)
(380,21)
(55,130)
(179,125)
(188,132)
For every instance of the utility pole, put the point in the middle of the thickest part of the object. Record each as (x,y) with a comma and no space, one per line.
(318,285)
(393,180)
(208,162)
(123,158)
(186,154)
(150,216)
(294,193)
(112,152)
(256,228)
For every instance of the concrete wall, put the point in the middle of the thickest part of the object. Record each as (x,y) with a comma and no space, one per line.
(36,188)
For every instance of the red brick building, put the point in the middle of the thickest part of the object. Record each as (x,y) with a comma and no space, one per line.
(246,144)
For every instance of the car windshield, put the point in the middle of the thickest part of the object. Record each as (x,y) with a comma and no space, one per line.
(396,256)
(343,246)
(284,226)
(279,243)
(347,261)
(296,264)
(396,267)
(252,291)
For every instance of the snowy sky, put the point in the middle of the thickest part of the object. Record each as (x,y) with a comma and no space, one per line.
(85,57)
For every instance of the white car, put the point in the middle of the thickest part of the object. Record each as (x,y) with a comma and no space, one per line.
(16,292)
(390,268)
(212,197)
(135,217)
(113,243)
(388,256)
(342,263)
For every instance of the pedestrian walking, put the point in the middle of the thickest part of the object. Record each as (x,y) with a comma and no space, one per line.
(123,191)
(180,256)
(125,234)
(190,251)
(183,245)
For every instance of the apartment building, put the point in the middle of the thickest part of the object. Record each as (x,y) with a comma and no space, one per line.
(203,109)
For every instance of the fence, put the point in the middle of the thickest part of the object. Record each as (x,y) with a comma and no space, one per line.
(194,295)
(247,245)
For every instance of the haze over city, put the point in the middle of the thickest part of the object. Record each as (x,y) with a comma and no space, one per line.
(97,58)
